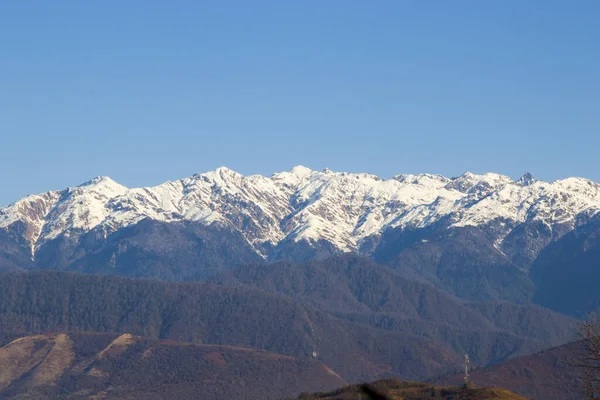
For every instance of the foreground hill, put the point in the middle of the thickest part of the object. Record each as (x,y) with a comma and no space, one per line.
(400,390)
(101,366)
(547,375)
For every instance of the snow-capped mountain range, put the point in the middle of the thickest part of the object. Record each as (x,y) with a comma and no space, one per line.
(302,205)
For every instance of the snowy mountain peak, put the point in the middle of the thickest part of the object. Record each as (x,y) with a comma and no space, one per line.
(527,179)
(464,182)
(422,178)
(97,180)
(104,185)
(293,177)
(226,171)
(467,181)
(300,171)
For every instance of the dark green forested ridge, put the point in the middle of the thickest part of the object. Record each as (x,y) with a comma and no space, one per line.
(359,290)
(37,302)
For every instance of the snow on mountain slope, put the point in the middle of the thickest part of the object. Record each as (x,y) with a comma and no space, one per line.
(81,208)
(301,204)
(31,211)
(553,203)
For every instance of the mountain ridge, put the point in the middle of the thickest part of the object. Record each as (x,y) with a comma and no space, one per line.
(343,209)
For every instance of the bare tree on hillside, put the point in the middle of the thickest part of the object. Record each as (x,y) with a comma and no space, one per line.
(589,359)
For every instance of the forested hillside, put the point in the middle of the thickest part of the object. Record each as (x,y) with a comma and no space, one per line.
(39,302)
(359,290)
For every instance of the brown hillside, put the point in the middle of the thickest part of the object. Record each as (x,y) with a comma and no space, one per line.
(547,375)
(102,366)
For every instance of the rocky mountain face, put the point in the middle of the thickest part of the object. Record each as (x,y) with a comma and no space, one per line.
(476,236)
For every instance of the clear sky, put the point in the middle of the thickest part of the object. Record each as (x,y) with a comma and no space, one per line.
(149,91)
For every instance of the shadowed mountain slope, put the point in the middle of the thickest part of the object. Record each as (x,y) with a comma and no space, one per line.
(567,272)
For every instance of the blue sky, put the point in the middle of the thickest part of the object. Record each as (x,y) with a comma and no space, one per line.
(149,91)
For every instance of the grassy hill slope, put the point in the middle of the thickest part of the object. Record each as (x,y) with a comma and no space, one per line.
(128,367)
